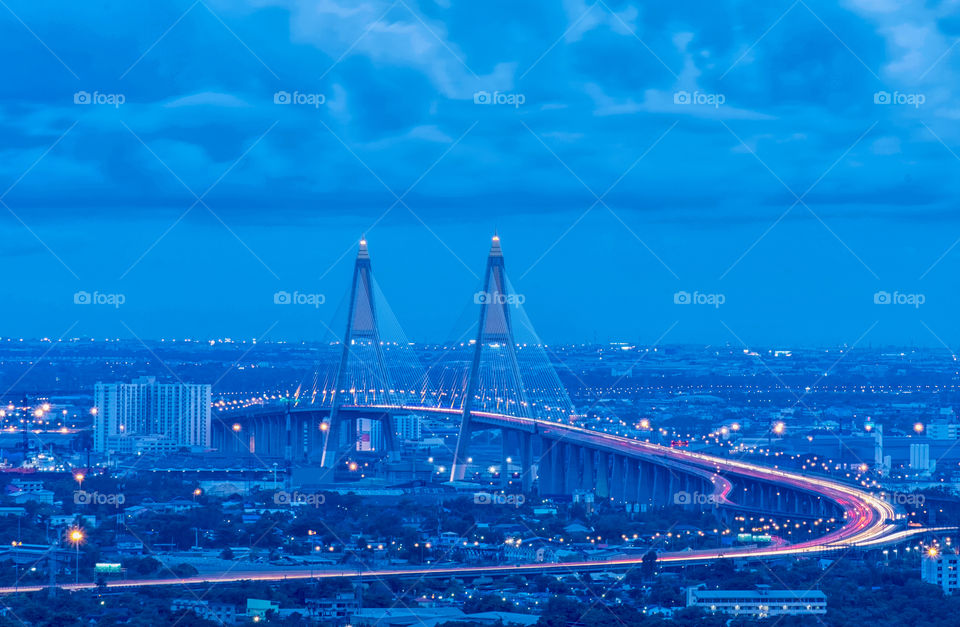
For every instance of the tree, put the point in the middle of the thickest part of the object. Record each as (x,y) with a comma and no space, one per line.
(147,566)
(560,612)
(184,570)
(649,565)
(486,603)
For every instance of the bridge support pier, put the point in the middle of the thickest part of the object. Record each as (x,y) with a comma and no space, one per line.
(667,484)
(618,476)
(526,462)
(633,480)
(587,480)
(547,469)
(571,471)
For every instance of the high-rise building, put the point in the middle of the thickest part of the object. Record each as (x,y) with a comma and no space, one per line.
(145,415)
(408,427)
(920,457)
(369,435)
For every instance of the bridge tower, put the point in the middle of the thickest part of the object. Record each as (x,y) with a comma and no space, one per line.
(362,334)
(495,327)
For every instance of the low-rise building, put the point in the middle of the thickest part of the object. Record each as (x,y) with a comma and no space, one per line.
(257,608)
(335,609)
(27,490)
(759,603)
(220,613)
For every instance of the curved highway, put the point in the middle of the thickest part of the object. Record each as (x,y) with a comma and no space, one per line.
(868,520)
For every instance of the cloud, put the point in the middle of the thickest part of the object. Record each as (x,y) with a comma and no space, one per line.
(398,86)
(208,99)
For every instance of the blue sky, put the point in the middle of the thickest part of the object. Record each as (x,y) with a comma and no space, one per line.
(797,158)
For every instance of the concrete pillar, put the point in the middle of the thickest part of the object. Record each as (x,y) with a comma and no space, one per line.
(270,424)
(587,479)
(603,475)
(571,471)
(654,471)
(559,458)
(266,441)
(263,441)
(390,440)
(667,486)
(632,480)
(526,462)
(547,471)
(618,479)
(279,435)
(506,445)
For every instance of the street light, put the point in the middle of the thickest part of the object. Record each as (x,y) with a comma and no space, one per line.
(16,566)
(76,536)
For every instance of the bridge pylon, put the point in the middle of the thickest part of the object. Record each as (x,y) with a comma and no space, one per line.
(495,328)
(362,335)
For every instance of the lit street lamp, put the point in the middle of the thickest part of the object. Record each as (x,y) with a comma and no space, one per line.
(76,536)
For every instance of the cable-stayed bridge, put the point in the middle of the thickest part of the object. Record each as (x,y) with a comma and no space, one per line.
(508,384)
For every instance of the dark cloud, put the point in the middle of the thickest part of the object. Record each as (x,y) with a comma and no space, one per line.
(692,182)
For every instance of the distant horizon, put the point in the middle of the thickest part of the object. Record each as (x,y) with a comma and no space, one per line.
(599,343)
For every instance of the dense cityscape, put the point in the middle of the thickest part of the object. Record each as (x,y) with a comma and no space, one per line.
(153,504)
